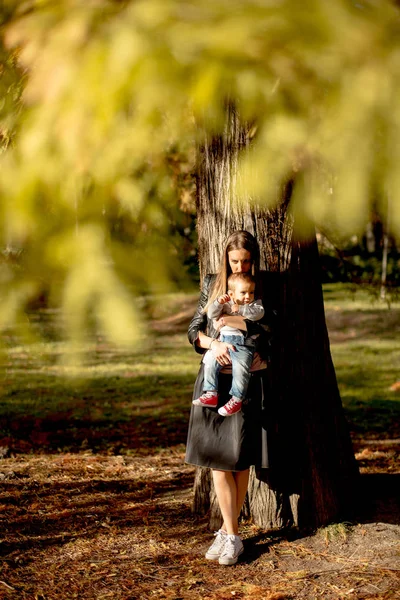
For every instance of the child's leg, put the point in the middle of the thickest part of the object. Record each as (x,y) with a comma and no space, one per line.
(209,397)
(211,370)
(241,363)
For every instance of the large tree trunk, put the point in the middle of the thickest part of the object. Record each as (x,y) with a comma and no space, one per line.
(312,462)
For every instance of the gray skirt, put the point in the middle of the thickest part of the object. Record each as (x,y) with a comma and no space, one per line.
(230,443)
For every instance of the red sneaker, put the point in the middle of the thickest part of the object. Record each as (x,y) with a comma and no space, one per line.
(233,406)
(208,399)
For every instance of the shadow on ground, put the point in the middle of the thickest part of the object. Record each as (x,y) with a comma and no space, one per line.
(83,508)
(379,498)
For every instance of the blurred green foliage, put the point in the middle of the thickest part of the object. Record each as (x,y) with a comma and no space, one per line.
(104,102)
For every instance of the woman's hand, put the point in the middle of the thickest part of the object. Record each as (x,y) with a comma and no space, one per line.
(258,362)
(220,352)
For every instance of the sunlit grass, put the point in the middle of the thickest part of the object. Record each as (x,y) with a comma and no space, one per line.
(153,356)
(335,531)
(347,296)
(102,397)
(365,373)
(366,353)
(105,397)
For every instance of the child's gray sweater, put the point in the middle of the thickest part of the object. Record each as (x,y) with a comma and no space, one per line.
(253,312)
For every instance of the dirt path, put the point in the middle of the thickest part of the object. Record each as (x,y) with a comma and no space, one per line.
(92,527)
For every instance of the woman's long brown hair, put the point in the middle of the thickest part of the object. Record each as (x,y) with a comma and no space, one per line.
(238,240)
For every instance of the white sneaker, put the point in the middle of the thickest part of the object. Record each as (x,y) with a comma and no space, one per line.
(232,550)
(214,551)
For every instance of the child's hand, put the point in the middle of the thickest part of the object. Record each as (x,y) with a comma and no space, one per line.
(234,308)
(223,299)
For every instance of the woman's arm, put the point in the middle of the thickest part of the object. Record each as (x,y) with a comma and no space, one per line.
(232,321)
(198,325)
(197,328)
(204,341)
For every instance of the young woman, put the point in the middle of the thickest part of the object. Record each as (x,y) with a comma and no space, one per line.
(230,446)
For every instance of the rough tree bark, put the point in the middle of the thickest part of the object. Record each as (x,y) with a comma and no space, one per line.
(312,461)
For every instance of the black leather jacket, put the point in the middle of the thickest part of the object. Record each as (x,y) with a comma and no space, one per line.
(200,322)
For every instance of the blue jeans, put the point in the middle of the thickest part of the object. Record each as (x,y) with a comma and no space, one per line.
(241,363)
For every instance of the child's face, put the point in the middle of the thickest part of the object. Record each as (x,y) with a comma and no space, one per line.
(243,293)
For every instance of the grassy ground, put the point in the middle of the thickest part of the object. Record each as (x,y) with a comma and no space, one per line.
(114,401)
(365,348)
(96,501)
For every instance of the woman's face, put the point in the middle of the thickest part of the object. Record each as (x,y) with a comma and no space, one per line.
(239,261)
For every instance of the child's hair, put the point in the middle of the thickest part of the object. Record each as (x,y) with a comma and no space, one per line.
(236,241)
(235,278)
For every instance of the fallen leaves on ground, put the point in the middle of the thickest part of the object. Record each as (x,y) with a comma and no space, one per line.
(93,526)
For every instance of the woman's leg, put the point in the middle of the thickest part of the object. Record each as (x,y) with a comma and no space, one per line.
(242,481)
(230,489)
(226,491)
